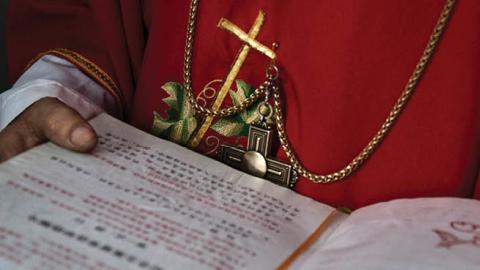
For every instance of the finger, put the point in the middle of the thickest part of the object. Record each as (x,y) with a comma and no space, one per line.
(19,136)
(12,143)
(63,126)
(46,119)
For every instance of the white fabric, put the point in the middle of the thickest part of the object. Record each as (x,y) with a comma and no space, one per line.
(53,76)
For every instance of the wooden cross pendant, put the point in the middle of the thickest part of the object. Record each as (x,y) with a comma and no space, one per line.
(255,160)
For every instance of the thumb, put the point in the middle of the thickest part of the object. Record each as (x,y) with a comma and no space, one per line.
(64,126)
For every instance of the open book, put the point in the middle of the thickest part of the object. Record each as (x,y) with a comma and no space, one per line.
(138,202)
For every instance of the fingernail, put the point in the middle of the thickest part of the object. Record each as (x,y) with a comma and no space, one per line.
(81,136)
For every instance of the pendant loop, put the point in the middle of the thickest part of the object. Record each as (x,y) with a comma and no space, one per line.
(272,72)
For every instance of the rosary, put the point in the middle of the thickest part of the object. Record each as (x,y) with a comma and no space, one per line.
(255,158)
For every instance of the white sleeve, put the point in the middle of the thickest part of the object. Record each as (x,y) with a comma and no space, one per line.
(52,76)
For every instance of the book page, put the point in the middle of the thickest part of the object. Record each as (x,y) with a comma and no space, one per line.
(138,202)
(427,234)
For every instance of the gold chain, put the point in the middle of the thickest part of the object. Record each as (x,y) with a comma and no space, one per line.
(284,142)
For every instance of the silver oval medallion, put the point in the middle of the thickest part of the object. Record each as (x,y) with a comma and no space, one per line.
(254,163)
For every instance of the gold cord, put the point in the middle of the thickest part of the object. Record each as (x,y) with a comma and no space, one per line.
(284,142)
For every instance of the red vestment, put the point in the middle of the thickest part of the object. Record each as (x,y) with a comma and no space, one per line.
(344,64)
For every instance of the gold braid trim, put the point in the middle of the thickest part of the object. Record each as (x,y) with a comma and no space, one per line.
(91,70)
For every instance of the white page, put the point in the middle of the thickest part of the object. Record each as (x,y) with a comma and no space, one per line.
(304,260)
(138,202)
(423,234)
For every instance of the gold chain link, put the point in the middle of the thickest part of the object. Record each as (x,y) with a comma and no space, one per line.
(284,142)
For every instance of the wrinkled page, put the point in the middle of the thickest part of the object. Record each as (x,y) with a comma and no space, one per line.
(424,234)
(138,202)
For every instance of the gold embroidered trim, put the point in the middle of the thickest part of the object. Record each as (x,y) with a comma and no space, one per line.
(234,70)
(236,31)
(91,70)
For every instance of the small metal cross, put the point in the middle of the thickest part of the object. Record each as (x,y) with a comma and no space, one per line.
(255,160)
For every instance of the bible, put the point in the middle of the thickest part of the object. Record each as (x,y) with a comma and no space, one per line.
(139,202)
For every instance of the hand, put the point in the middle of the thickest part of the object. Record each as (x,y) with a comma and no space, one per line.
(46,119)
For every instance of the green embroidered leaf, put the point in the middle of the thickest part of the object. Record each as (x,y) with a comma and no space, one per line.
(182,130)
(243,91)
(237,125)
(250,115)
(247,89)
(228,127)
(160,125)
(175,92)
(180,122)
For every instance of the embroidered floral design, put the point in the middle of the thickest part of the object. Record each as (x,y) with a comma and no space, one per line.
(208,93)
(237,125)
(180,122)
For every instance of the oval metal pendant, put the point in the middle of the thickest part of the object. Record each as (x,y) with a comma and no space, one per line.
(254,163)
